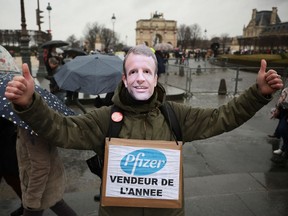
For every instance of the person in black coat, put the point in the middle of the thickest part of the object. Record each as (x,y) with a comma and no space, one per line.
(161,62)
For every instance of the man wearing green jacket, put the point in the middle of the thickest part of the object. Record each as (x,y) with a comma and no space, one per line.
(139,96)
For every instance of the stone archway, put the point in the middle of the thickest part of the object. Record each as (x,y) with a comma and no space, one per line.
(156,30)
(157,39)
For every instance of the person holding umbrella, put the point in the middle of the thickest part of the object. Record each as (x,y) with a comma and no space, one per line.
(54,88)
(49,50)
(48,53)
(140,96)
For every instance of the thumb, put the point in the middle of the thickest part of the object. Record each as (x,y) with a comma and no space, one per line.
(263,66)
(26,72)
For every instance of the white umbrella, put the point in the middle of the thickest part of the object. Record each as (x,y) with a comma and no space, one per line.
(163,47)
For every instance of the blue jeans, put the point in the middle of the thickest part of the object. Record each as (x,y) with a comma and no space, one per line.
(282,129)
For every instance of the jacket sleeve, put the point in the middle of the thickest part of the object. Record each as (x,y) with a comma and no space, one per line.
(75,132)
(199,123)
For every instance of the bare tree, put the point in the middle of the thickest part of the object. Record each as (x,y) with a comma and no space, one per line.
(195,30)
(184,35)
(187,36)
(91,32)
(181,35)
(215,39)
(72,40)
(106,36)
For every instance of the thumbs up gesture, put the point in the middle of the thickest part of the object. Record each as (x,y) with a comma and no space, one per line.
(268,82)
(20,90)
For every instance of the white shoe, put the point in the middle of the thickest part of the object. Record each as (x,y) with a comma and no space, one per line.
(278,151)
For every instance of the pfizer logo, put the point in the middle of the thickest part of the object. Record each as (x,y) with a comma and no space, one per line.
(143,162)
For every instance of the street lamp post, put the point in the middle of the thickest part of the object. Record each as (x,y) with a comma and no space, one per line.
(205,38)
(41,66)
(24,39)
(205,43)
(49,8)
(113,19)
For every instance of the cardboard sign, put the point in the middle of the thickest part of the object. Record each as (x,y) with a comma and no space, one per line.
(142,173)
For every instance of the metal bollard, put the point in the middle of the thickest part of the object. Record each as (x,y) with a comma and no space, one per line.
(222,87)
(181,70)
(198,70)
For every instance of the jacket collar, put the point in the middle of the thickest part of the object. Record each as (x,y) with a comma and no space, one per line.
(121,99)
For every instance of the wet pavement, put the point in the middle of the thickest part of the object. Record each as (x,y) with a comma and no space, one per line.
(230,174)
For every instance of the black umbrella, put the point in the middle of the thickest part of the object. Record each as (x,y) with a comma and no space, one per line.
(54,43)
(7,112)
(91,74)
(75,52)
(126,48)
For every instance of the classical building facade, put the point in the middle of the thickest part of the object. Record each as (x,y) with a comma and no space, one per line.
(156,30)
(11,37)
(265,31)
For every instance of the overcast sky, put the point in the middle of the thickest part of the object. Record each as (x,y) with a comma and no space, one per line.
(71,16)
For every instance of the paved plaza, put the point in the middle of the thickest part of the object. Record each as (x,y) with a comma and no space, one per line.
(227,175)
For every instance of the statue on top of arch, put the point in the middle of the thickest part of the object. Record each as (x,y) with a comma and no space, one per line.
(157,15)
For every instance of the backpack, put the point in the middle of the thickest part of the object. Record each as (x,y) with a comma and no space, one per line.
(95,163)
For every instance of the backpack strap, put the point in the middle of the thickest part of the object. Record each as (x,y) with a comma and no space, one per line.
(96,162)
(115,125)
(172,120)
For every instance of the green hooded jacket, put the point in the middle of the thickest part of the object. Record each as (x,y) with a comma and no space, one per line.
(142,120)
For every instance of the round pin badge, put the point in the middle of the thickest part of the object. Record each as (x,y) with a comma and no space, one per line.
(117,116)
